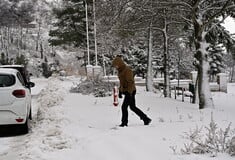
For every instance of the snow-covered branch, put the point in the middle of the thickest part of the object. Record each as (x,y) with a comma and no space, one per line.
(185,4)
(223,9)
(216,24)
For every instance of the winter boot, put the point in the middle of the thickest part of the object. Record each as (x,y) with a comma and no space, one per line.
(147,121)
(123,125)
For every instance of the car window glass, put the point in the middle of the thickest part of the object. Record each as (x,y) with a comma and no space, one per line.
(22,70)
(6,80)
(20,78)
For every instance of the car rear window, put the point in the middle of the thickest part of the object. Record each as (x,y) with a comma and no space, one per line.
(6,80)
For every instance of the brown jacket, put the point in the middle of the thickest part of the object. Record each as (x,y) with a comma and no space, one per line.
(125,75)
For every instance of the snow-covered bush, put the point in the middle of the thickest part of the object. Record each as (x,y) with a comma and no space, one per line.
(232,147)
(98,88)
(213,140)
(216,60)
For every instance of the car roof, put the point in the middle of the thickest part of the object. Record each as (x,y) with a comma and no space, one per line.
(8,70)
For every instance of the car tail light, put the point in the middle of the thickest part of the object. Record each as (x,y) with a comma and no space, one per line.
(19,120)
(19,93)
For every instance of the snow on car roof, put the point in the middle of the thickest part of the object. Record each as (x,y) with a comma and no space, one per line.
(15,65)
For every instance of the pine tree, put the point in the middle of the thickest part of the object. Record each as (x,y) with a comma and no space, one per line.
(3,59)
(17,12)
(46,71)
(216,53)
(21,60)
(136,57)
(70,27)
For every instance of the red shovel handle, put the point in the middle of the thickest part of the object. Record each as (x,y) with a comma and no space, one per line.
(115,96)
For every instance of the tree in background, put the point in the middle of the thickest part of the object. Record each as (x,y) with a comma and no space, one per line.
(21,60)
(46,71)
(181,59)
(70,25)
(4,60)
(43,20)
(204,16)
(153,21)
(230,62)
(216,61)
(136,57)
(15,19)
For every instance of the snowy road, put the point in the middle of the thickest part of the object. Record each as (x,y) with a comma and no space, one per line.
(74,126)
(45,134)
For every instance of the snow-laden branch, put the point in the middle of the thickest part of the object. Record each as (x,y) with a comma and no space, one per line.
(213,4)
(231,7)
(121,9)
(174,3)
(218,13)
(216,24)
(128,29)
(189,21)
(218,9)
(205,11)
(157,28)
(194,10)
(175,22)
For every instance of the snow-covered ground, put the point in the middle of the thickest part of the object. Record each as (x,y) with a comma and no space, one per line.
(71,126)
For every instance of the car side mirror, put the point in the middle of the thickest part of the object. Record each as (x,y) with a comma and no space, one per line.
(31,84)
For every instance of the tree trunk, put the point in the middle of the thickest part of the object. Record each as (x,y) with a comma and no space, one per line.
(149,77)
(41,50)
(204,93)
(38,36)
(95,38)
(167,89)
(7,43)
(25,38)
(21,37)
(19,40)
(232,72)
(87,36)
(2,40)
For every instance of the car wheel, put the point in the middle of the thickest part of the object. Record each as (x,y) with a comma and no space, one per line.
(30,114)
(25,127)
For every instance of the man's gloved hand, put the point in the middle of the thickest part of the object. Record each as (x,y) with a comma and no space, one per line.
(120,94)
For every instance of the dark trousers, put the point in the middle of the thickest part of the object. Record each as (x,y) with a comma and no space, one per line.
(129,100)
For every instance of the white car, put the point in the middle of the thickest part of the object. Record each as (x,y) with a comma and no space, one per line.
(15,99)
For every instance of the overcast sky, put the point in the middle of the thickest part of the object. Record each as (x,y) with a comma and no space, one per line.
(230,24)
